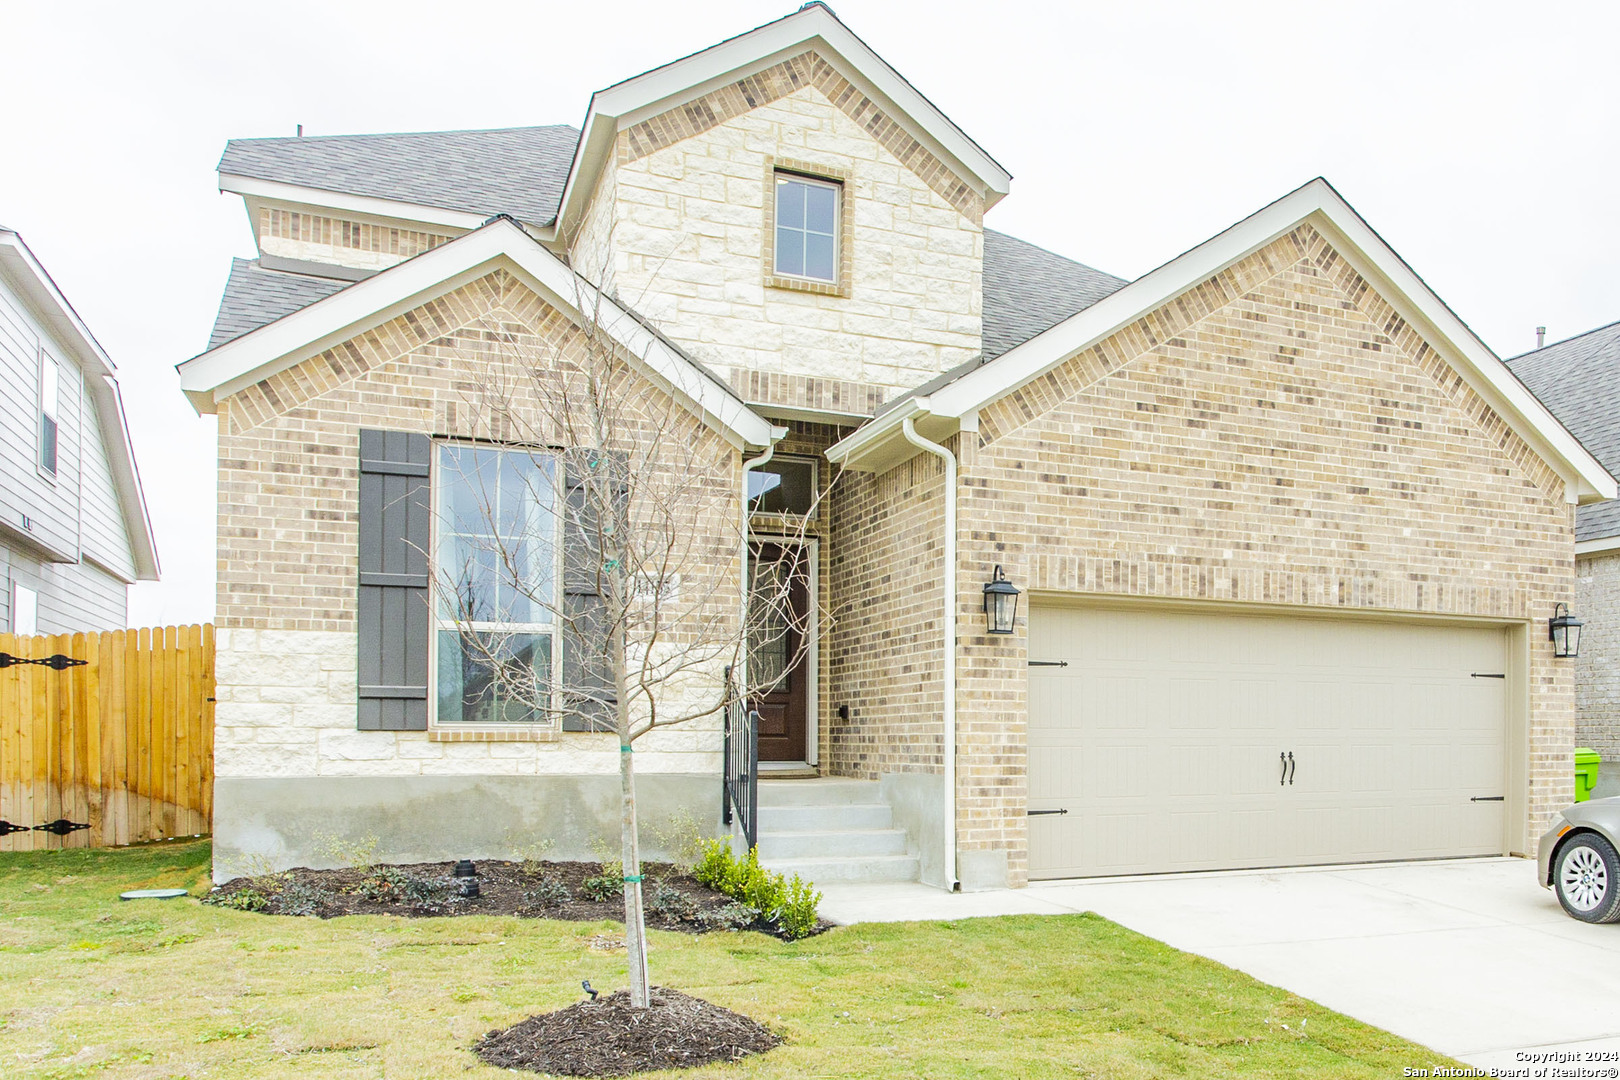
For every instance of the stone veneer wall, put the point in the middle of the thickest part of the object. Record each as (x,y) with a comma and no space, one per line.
(288,487)
(295,234)
(1276,435)
(1597,669)
(688,194)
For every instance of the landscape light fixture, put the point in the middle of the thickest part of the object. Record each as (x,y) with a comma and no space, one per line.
(1000,604)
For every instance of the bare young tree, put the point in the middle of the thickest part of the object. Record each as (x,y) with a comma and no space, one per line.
(591,568)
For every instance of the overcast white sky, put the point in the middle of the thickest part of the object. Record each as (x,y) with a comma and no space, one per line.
(1479,138)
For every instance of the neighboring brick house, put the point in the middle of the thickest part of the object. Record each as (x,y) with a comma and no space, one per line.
(74,532)
(1287,534)
(1579,380)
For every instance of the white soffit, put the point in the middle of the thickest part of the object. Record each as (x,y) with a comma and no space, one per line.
(813,26)
(276,346)
(1321,206)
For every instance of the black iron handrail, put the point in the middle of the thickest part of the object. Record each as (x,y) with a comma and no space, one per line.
(739,792)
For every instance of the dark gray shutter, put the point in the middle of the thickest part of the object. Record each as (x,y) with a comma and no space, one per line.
(394,617)
(588,699)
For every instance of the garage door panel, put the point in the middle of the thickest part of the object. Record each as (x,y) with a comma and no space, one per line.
(1162,740)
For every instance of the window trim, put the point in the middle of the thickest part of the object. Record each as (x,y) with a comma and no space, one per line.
(490,731)
(17,591)
(47,362)
(845,237)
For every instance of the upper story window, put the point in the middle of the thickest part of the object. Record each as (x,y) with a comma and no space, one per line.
(807,227)
(50,393)
(498,560)
(783,486)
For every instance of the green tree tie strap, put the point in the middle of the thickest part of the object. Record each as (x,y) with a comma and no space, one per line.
(632,879)
(625,749)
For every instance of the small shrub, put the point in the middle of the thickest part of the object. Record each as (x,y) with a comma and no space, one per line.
(248,899)
(668,902)
(301,899)
(733,916)
(612,866)
(361,851)
(549,891)
(681,839)
(795,912)
(385,886)
(714,864)
(601,888)
(430,893)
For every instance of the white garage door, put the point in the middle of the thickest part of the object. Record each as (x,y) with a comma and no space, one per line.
(1215,741)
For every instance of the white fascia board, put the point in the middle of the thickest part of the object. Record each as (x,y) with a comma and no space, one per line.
(1317,203)
(109,402)
(390,210)
(665,87)
(213,376)
(31,280)
(1597,547)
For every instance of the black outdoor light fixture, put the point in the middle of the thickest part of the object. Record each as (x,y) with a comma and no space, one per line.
(1565,632)
(466,878)
(1000,604)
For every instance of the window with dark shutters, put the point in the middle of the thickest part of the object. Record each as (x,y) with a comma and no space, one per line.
(394,618)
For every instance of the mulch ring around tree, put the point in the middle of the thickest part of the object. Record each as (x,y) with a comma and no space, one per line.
(571,891)
(610,1037)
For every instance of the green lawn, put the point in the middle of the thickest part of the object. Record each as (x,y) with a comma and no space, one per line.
(91,987)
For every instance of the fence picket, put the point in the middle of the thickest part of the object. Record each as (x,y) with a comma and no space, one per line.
(123,743)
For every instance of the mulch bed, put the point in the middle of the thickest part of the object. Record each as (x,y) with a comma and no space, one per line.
(609,1037)
(543,890)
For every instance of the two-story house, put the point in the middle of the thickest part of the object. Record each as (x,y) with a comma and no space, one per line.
(1282,534)
(74,532)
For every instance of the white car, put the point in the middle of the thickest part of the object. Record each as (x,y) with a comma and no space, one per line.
(1579,860)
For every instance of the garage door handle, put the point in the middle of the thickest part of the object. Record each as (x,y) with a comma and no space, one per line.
(1292,767)
(1043,813)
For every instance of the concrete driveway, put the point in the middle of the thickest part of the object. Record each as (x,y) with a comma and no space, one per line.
(1469,957)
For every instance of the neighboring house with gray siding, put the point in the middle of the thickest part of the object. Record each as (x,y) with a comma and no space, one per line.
(1579,380)
(74,531)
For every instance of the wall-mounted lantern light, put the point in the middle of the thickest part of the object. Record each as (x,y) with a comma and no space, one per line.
(1000,604)
(1565,632)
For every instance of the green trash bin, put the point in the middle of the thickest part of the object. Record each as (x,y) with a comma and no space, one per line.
(1587,761)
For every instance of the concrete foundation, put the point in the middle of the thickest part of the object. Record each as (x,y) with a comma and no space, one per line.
(277,823)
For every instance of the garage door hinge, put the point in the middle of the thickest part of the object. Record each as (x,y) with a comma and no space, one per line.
(1043,813)
(1479,675)
(1048,663)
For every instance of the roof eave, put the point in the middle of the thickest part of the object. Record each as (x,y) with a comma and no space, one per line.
(214,375)
(1319,204)
(252,187)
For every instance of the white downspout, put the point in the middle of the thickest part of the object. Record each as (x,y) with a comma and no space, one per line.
(949,635)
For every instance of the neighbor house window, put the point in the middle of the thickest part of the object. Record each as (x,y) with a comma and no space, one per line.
(50,393)
(497,560)
(807,227)
(782,486)
(24,610)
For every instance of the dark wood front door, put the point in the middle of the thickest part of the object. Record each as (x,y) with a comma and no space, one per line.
(779,609)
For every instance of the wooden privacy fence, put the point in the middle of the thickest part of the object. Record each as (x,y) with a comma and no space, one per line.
(116,751)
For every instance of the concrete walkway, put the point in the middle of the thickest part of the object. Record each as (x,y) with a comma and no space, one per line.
(1469,957)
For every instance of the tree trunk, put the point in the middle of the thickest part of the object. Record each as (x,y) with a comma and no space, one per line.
(635,927)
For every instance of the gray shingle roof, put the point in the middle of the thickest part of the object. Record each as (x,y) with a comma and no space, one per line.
(1579,381)
(255,296)
(517,171)
(1028,289)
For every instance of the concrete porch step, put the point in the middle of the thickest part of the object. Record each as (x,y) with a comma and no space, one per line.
(854,868)
(824,791)
(829,818)
(816,844)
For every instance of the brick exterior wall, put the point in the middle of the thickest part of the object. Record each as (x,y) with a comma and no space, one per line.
(1276,435)
(288,493)
(678,227)
(294,234)
(1597,669)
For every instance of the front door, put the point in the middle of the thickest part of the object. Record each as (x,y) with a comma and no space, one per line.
(778,666)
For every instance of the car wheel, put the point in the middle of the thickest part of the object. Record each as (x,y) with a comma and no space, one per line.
(1587,879)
